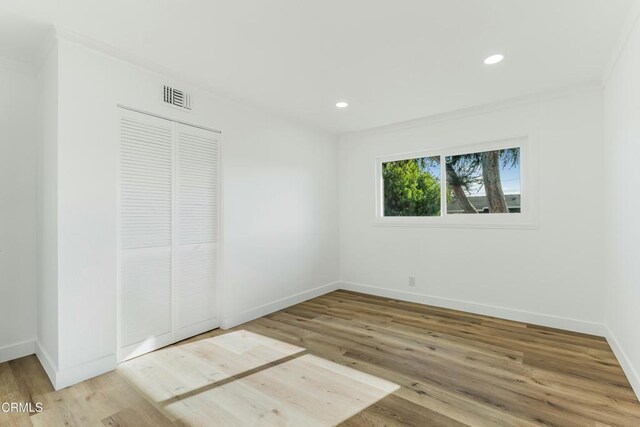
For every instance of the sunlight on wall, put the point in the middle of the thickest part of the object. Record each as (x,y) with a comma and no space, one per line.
(243,378)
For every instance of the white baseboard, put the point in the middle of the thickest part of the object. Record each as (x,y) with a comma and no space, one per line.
(17,350)
(625,362)
(271,307)
(583,326)
(79,373)
(49,366)
(70,376)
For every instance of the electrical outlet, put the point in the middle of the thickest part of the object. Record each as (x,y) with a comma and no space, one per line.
(412,280)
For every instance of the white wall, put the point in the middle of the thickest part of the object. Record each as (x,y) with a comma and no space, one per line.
(622,151)
(279,203)
(551,276)
(18,262)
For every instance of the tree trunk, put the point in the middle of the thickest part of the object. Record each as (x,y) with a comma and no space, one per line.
(492,182)
(458,191)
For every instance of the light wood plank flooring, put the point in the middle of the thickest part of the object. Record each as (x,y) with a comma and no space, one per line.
(350,359)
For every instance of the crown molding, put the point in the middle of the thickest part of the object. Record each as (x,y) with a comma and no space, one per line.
(70,36)
(7,64)
(46,48)
(520,101)
(630,23)
(32,67)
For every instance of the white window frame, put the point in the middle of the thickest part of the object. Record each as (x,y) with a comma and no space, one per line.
(526,219)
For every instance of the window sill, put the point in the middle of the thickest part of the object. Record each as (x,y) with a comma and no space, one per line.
(439,223)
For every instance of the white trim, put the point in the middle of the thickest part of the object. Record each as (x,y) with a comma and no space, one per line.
(75,374)
(220,279)
(548,320)
(429,222)
(169,119)
(11,65)
(527,219)
(118,142)
(271,307)
(476,110)
(175,202)
(70,36)
(625,362)
(47,45)
(146,346)
(173,75)
(49,367)
(631,21)
(196,329)
(17,350)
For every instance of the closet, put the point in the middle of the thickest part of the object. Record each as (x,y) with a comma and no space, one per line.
(169,222)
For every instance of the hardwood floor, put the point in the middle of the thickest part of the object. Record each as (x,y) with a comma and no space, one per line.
(352,359)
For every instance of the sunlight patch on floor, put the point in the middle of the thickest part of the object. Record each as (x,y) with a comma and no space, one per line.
(243,378)
(175,370)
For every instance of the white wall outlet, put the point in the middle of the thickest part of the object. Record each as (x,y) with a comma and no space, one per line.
(412,280)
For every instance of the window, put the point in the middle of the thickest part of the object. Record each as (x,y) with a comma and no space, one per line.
(412,187)
(485,182)
(477,185)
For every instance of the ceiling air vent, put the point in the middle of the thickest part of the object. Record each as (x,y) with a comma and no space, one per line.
(176,98)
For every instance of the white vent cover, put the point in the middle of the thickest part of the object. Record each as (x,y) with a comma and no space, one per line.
(176,97)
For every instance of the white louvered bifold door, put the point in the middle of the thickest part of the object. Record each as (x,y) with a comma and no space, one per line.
(197,183)
(168,221)
(146,205)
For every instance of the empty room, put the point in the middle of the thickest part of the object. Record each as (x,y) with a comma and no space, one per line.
(319,213)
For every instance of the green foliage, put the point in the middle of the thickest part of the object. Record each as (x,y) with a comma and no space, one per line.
(410,189)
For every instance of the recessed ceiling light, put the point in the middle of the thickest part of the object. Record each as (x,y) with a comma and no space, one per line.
(494,59)
(342,104)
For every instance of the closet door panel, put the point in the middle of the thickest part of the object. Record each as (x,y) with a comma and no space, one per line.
(197,184)
(197,267)
(145,184)
(146,295)
(146,206)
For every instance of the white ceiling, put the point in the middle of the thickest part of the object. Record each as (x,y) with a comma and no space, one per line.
(393,60)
